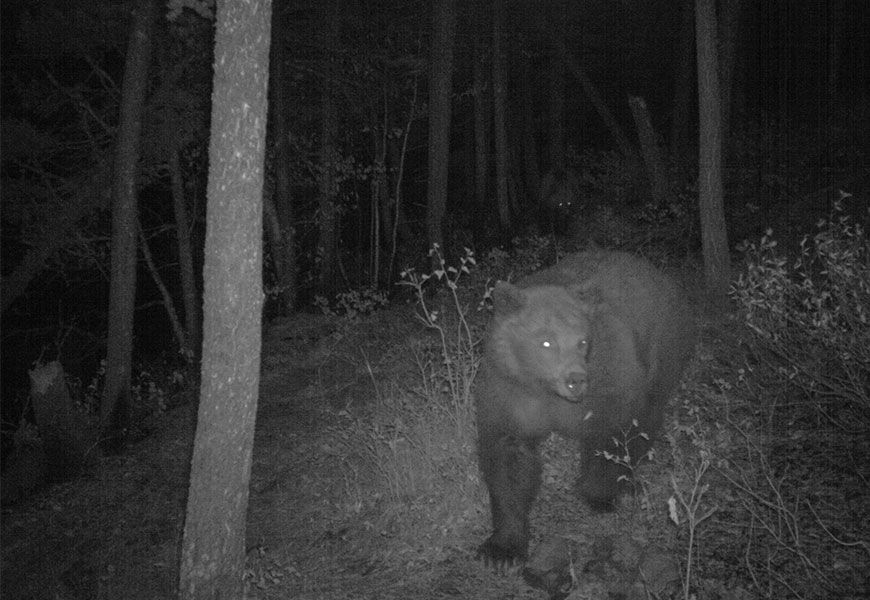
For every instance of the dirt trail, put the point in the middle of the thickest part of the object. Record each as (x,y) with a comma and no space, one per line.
(115,533)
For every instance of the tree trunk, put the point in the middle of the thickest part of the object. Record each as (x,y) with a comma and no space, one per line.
(328,193)
(67,213)
(656,170)
(327,196)
(714,237)
(115,405)
(591,90)
(68,435)
(396,154)
(440,114)
(281,221)
(684,73)
(499,97)
(192,312)
(481,126)
(556,105)
(728,35)
(168,303)
(531,167)
(213,546)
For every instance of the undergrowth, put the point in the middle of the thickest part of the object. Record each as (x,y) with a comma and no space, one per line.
(796,470)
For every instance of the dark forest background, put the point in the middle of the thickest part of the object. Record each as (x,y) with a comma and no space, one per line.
(347,174)
(727,141)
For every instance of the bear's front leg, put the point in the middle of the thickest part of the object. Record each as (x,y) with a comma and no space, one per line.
(512,472)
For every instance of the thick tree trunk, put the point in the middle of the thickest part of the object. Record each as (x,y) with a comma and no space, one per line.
(115,405)
(499,97)
(714,237)
(440,115)
(213,547)
(192,311)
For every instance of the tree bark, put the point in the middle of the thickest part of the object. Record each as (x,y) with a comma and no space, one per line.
(213,546)
(192,311)
(499,97)
(714,237)
(440,115)
(115,405)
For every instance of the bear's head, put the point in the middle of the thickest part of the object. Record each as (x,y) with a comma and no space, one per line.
(541,337)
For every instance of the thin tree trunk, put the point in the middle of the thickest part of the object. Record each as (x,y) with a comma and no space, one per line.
(281,214)
(192,312)
(327,209)
(656,170)
(729,25)
(482,120)
(168,304)
(115,405)
(684,74)
(399,223)
(591,90)
(440,115)
(556,103)
(327,196)
(213,546)
(499,96)
(54,234)
(714,237)
(531,166)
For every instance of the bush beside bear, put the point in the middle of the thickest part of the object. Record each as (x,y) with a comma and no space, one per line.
(584,349)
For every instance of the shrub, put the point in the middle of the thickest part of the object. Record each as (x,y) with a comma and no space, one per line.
(810,320)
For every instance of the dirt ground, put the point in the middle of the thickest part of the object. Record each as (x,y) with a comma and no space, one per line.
(115,532)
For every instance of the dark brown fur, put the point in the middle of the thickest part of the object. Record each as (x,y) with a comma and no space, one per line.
(584,349)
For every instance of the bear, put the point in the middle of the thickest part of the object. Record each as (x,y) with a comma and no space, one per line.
(558,200)
(590,349)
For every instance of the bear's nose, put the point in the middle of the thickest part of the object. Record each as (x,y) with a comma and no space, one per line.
(576,383)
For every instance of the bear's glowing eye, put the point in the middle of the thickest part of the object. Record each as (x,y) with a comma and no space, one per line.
(546,344)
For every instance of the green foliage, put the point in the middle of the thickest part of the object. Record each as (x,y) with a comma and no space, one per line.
(810,319)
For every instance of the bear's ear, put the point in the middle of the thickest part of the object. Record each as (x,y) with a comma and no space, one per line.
(507,298)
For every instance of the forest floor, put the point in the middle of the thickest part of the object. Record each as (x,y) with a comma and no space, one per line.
(332,513)
(364,487)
